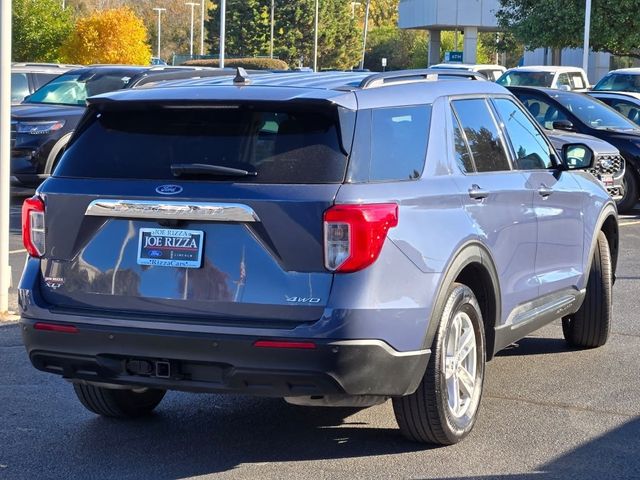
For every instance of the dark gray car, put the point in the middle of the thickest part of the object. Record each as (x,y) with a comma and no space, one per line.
(334,239)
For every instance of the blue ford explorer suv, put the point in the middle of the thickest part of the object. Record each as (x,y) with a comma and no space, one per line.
(333,239)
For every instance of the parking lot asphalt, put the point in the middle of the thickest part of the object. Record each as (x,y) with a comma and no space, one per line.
(547,412)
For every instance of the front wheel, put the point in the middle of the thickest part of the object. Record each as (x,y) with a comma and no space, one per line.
(630,192)
(116,402)
(443,409)
(589,327)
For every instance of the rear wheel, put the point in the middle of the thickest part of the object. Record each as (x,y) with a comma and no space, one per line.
(630,194)
(589,327)
(443,409)
(118,403)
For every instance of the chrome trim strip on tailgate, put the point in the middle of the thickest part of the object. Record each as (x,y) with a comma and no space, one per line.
(205,211)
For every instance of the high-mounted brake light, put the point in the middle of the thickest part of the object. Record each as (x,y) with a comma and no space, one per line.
(33,228)
(354,234)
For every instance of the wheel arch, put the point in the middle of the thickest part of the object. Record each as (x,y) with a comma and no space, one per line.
(608,224)
(55,152)
(473,266)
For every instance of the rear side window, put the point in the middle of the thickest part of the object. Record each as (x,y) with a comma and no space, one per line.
(463,156)
(482,135)
(278,145)
(399,142)
(19,87)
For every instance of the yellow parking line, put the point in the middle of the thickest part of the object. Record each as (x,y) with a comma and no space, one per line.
(624,224)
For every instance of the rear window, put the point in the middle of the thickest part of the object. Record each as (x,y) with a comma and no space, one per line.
(283,145)
(528,79)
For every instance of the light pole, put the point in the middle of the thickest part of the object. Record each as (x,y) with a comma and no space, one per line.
(587,31)
(5,118)
(364,33)
(315,39)
(192,4)
(202,26)
(159,10)
(273,11)
(223,20)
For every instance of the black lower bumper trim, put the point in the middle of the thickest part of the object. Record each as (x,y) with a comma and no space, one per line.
(223,363)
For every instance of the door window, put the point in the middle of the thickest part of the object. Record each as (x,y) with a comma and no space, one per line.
(463,155)
(577,81)
(563,81)
(545,112)
(482,135)
(530,149)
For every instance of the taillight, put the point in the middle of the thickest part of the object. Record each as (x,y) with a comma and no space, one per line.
(354,234)
(33,229)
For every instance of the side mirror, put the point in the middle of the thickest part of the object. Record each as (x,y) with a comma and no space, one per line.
(565,125)
(577,156)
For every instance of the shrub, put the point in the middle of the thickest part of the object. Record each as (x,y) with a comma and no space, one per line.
(249,63)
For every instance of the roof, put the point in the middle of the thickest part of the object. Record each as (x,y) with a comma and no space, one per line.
(352,90)
(629,71)
(614,93)
(57,69)
(546,68)
(467,66)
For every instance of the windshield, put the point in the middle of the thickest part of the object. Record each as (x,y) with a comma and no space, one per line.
(623,82)
(594,113)
(526,79)
(283,145)
(75,88)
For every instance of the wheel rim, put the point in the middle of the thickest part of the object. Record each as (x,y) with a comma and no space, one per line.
(461,365)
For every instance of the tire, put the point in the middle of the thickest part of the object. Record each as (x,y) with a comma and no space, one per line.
(630,197)
(427,415)
(118,403)
(589,327)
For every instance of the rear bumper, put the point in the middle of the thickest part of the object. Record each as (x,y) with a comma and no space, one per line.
(202,362)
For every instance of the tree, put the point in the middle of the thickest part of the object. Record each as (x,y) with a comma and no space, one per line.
(39,29)
(109,36)
(615,24)
(248,31)
(401,48)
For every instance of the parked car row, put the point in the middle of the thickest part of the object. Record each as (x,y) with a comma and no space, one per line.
(336,239)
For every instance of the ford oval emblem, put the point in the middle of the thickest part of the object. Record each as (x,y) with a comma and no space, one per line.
(155,253)
(169,189)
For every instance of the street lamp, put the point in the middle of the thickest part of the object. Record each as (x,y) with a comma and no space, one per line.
(315,40)
(223,20)
(273,9)
(587,31)
(159,10)
(364,33)
(191,4)
(202,27)
(5,152)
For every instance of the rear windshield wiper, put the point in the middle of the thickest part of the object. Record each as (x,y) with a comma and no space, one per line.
(179,169)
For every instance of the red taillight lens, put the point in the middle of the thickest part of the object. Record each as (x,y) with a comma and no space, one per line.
(354,234)
(52,327)
(285,344)
(33,229)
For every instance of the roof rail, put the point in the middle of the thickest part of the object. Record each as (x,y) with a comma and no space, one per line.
(420,75)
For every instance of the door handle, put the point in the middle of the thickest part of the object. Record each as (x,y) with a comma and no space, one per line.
(544,191)
(477,193)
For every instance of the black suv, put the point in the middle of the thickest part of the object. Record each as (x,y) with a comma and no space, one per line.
(42,125)
(581,113)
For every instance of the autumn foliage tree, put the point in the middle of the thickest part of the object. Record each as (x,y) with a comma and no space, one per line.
(116,36)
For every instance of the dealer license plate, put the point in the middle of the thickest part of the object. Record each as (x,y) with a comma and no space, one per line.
(168,247)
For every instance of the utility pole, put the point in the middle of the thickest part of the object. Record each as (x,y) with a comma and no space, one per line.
(364,33)
(273,17)
(5,137)
(587,31)
(192,4)
(202,26)
(223,20)
(159,10)
(315,39)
